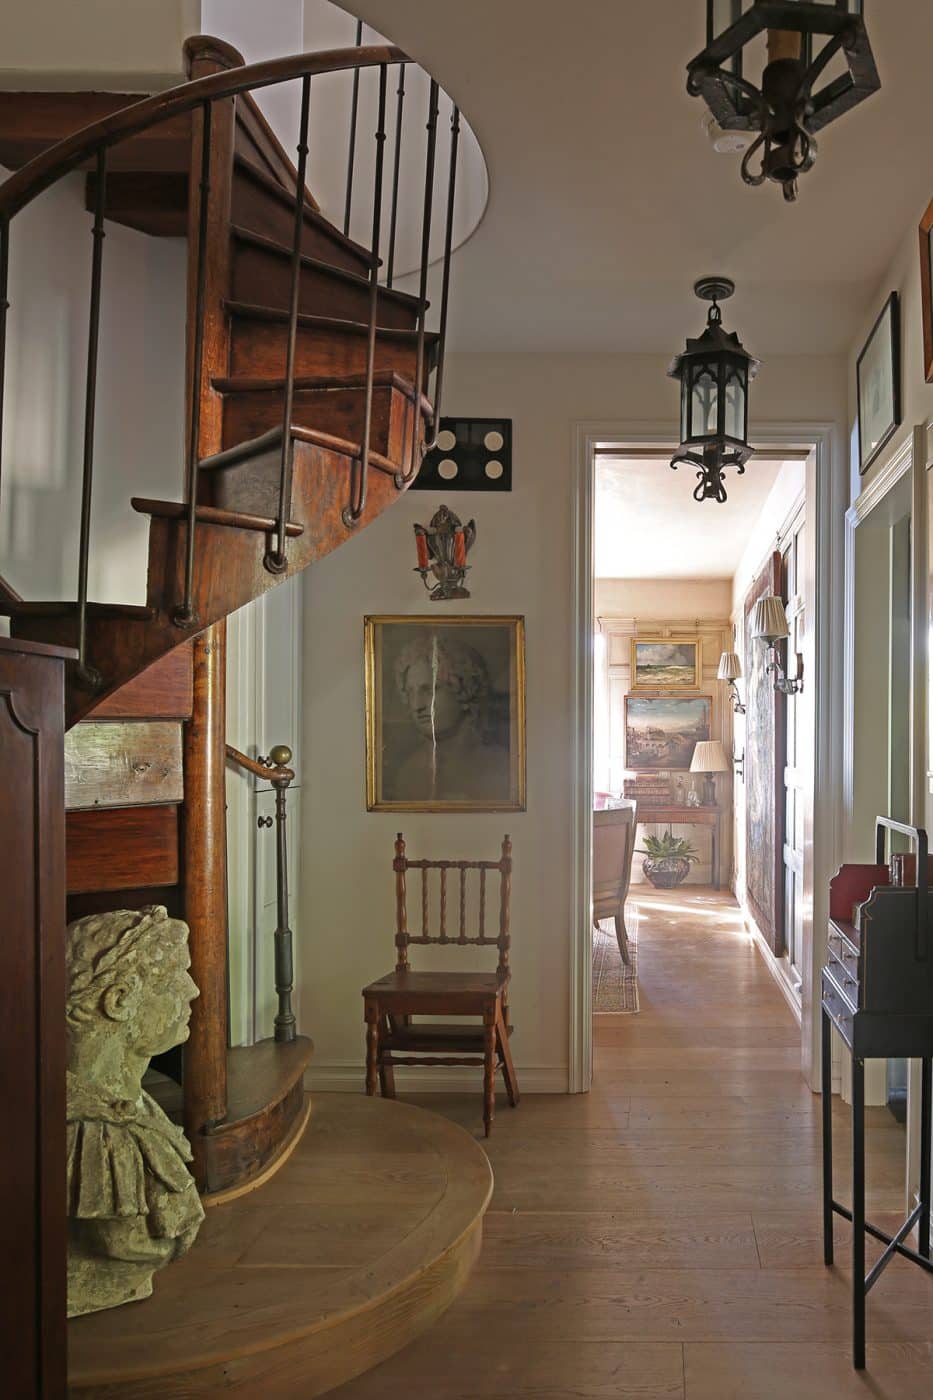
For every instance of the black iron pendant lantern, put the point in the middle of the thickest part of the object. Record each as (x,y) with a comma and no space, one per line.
(787,110)
(714,373)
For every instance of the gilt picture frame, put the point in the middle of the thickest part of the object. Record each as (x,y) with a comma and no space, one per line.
(878,380)
(665,663)
(661,731)
(445,713)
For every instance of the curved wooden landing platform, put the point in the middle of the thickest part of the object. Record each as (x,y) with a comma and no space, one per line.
(356,1245)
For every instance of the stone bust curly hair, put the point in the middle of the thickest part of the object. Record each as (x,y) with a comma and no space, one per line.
(132,1202)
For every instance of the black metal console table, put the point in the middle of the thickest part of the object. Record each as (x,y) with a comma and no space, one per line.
(877,990)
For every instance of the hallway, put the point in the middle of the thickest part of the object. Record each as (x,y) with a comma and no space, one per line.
(660,1236)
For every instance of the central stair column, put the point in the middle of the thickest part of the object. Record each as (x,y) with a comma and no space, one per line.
(205,854)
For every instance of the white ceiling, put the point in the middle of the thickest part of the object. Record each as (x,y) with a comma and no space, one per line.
(648,526)
(607,201)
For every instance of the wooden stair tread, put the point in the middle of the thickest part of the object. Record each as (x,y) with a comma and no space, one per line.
(252,312)
(258,384)
(311,215)
(65,608)
(266,441)
(260,1075)
(274,246)
(210,515)
(371,1228)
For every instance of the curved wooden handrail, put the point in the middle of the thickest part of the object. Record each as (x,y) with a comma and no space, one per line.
(43,170)
(271,772)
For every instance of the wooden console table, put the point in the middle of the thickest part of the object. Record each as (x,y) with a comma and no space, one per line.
(688,816)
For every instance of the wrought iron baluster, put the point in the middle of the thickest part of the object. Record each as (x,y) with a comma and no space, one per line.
(396,167)
(88,674)
(275,560)
(351,153)
(445,285)
(4,308)
(184,615)
(353,512)
(403,478)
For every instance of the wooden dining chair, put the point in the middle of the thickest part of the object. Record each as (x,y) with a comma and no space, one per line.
(393,1036)
(613,848)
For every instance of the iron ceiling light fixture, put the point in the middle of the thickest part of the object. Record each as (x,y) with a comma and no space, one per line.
(714,373)
(786,111)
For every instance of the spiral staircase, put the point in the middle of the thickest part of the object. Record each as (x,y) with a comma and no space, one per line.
(307,414)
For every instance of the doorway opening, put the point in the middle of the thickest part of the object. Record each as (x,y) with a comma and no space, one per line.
(680,577)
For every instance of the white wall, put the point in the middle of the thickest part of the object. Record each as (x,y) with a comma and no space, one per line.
(140,397)
(522,563)
(663,597)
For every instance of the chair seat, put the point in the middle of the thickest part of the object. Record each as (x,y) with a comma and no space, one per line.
(430,984)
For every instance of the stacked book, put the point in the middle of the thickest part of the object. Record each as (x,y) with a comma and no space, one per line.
(648,790)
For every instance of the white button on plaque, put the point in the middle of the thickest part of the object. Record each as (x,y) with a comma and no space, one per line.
(446,440)
(494,469)
(493,441)
(447,468)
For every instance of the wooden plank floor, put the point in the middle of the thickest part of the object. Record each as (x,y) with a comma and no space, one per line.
(660,1236)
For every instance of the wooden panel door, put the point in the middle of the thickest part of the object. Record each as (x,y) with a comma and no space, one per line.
(32,1018)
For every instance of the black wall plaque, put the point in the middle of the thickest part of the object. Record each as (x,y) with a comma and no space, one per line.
(473,454)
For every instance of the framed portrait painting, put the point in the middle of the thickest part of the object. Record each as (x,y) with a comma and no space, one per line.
(878,375)
(665,663)
(661,731)
(926,289)
(445,714)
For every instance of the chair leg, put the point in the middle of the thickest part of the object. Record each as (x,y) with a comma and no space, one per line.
(372,1049)
(386,1068)
(622,938)
(508,1069)
(489,1069)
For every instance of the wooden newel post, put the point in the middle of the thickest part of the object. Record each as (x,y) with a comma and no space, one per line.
(205,857)
(285,1029)
(505,897)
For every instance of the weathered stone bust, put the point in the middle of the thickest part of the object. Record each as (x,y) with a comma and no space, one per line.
(132,1203)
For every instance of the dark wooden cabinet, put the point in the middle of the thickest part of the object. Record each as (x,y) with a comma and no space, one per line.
(32,1017)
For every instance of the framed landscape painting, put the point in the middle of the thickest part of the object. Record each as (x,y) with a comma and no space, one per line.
(445,714)
(665,663)
(661,731)
(878,379)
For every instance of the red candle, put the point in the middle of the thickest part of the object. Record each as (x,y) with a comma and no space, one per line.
(459,549)
(422,547)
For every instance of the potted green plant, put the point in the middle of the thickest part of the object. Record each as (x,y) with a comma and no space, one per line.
(669,859)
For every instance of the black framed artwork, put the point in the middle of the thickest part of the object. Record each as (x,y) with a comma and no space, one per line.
(471,454)
(926,289)
(878,376)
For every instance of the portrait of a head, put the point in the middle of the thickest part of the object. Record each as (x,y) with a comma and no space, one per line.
(445,711)
(132,1203)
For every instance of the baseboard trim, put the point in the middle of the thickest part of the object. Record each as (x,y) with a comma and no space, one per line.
(775,966)
(345,1078)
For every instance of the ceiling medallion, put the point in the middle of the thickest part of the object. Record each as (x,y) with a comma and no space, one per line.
(714,372)
(787,110)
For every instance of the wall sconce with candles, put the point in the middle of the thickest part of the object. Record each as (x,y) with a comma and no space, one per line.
(442,554)
(769,625)
(730,669)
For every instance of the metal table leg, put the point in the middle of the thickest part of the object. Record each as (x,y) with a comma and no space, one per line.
(827,1108)
(858,1213)
(926,1148)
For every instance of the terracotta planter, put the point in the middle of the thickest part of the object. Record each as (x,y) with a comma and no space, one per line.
(666,873)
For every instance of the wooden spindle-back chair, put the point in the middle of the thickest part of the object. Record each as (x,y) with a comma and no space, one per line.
(393,1037)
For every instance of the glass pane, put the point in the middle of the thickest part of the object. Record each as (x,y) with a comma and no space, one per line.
(735,406)
(704,404)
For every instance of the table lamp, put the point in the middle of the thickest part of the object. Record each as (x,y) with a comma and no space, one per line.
(709,757)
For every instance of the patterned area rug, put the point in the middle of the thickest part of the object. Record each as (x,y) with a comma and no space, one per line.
(615,986)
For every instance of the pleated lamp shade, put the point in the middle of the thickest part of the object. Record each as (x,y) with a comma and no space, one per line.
(769,620)
(730,667)
(709,756)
